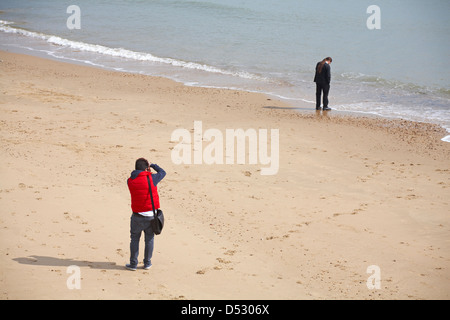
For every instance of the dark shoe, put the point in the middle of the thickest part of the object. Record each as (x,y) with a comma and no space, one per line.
(326,109)
(318,108)
(147,266)
(130,267)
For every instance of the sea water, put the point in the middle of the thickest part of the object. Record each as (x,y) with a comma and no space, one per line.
(400,70)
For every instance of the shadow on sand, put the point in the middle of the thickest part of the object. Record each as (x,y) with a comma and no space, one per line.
(58,262)
(318,113)
(286,108)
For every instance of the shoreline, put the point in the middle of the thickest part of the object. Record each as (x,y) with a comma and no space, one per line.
(350,193)
(286,101)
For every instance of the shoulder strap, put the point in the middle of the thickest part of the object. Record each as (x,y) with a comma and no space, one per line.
(151,196)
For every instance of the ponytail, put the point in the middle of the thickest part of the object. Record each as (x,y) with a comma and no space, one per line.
(319,69)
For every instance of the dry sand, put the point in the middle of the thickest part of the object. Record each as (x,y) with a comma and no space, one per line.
(350,192)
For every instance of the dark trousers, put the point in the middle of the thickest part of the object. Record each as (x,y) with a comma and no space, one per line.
(138,224)
(325,88)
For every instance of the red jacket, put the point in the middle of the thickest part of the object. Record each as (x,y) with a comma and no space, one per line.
(140,197)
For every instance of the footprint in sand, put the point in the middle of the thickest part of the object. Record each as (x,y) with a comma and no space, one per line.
(120,252)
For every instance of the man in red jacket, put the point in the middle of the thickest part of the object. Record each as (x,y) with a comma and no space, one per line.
(141,205)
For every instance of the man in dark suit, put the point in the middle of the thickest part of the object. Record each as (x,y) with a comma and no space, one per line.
(322,79)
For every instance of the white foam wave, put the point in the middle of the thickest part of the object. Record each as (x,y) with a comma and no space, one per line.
(391,111)
(124,53)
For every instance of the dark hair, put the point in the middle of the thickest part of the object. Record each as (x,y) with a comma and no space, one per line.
(319,69)
(141,164)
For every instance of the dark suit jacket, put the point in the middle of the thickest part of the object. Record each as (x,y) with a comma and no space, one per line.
(323,77)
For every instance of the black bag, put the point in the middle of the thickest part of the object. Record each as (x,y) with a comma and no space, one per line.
(158,217)
(158,222)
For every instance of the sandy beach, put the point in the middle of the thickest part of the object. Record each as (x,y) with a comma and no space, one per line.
(350,192)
